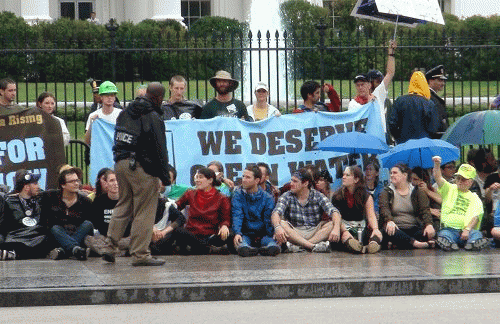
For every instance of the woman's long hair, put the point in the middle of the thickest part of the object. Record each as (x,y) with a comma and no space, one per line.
(359,187)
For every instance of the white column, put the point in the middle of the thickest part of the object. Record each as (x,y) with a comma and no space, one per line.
(167,9)
(35,10)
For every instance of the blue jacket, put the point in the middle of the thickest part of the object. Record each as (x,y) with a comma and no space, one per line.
(252,212)
(413,117)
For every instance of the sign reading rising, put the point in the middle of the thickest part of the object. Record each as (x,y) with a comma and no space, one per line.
(30,139)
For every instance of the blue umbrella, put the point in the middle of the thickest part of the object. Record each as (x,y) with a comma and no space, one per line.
(354,143)
(419,152)
(479,127)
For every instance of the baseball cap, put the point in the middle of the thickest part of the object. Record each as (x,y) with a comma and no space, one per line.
(361,77)
(261,85)
(24,177)
(467,171)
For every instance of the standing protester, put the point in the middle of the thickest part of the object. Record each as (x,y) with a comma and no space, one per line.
(224,104)
(140,154)
(262,109)
(177,106)
(413,115)
(108,112)
(311,93)
(8,90)
(47,102)
(364,91)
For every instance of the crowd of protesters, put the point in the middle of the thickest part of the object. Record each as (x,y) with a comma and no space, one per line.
(417,209)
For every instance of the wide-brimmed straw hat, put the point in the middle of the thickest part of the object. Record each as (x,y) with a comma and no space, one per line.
(223,75)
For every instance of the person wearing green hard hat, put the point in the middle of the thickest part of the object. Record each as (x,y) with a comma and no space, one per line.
(108,112)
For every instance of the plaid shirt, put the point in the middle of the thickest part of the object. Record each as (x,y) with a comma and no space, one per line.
(310,214)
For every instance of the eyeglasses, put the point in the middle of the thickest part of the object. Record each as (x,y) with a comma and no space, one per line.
(74,181)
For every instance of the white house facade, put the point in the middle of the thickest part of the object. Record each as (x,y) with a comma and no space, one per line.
(186,11)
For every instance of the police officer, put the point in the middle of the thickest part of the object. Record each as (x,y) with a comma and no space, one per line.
(140,155)
(436,80)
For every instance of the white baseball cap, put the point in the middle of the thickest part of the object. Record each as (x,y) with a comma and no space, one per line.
(261,85)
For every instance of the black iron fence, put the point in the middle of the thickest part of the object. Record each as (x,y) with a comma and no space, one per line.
(283,60)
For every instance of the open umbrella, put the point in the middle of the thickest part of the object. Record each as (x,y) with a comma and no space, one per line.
(419,152)
(354,143)
(479,127)
(403,12)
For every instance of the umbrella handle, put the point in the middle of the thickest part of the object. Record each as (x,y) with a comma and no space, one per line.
(396,28)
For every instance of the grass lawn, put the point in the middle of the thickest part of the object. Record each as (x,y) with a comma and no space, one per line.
(80,92)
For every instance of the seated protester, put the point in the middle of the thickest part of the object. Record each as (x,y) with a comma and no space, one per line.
(24,235)
(485,164)
(176,190)
(404,212)
(100,184)
(373,184)
(322,182)
(297,217)
(209,216)
(421,178)
(67,214)
(251,212)
(265,184)
(105,202)
(491,199)
(359,228)
(167,219)
(310,168)
(461,212)
(102,211)
(225,186)
(311,93)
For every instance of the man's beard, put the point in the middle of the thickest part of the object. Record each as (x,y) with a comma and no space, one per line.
(223,91)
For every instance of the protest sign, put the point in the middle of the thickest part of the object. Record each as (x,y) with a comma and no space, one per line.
(286,143)
(30,139)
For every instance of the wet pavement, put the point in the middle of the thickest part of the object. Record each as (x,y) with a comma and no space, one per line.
(230,277)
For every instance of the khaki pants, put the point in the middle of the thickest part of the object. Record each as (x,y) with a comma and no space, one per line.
(137,203)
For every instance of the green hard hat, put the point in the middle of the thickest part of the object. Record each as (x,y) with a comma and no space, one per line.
(107,87)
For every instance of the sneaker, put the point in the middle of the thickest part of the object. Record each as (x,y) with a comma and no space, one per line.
(246,251)
(272,250)
(454,247)
(321,247)
(7,255)
(479,244)
(148,262)
(445,244)
(57,254)
(80,253)
(292,248)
